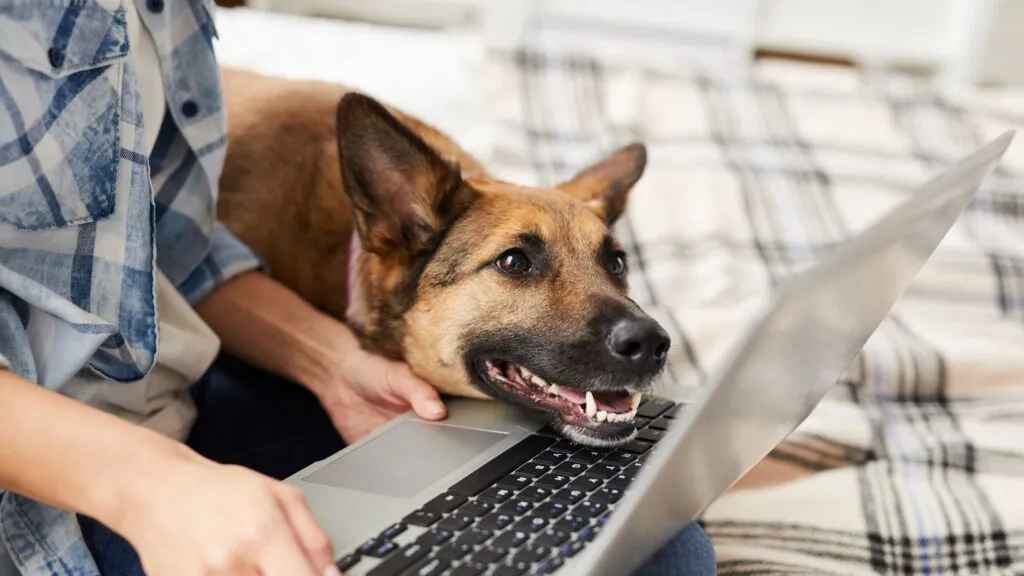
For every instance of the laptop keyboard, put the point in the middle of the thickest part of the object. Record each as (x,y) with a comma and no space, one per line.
(526,511)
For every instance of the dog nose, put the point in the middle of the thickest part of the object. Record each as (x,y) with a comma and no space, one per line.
(640,343)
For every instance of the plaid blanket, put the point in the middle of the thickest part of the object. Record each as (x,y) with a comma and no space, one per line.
(915,462)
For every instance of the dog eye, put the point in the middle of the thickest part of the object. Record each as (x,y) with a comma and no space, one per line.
(617,264)
(513,262)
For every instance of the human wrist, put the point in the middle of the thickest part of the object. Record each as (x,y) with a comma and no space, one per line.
(323,354)
(122,499)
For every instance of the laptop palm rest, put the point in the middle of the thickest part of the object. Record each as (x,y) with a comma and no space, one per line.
(406,459)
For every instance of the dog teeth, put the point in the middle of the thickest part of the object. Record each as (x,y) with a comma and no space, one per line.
(538,381)
(526,373)
(591,404)
(553,390)
(637,396)
(602,416)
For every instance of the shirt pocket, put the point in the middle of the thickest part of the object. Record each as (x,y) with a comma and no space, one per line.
(61,88)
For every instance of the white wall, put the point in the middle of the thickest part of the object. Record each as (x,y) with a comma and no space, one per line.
(962,41)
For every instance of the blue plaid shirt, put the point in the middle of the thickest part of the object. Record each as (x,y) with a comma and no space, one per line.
(87,214)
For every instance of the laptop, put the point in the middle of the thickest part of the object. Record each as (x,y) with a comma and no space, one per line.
(491,490)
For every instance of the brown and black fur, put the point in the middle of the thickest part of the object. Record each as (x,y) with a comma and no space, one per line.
(308,162)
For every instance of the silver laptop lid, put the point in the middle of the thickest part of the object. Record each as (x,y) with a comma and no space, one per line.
(784,366)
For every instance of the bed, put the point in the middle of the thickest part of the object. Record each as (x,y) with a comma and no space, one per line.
(915,462)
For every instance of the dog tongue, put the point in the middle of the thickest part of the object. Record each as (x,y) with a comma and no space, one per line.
(613,401)
(608,401)
(577,396)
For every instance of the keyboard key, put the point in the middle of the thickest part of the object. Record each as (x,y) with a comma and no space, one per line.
(654,407)
(516,507)
(455,522)
(532,524)
(429,567)
(468,570)
(515,481)
(572,523)
(588,534)
(473,537)
(489,555)
(567,447)
(496,495)
(661,423)
(511,539)
(606,496)
(588,456)
(434,538)
(535,493)
(570,468)
(570,549)
(589,508)
(495,521)
(393,530)
(650,434)
(550,457)
(382,549)
(531,554)
(550,566)
(347,561)
(640,422)
(422,518)
(503,464)
(507,570)
(569,495)
(551,510)
(550,538)
(586,483)
(401,560)
(603,471)
(636,446)
(476,508)
(533,469)
(444,503)
(621,482)
(453,551)
(369,545)
(674,411)
(552,480)
(620,458)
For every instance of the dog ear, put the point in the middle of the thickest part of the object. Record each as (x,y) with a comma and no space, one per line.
(403,193)
(605,185)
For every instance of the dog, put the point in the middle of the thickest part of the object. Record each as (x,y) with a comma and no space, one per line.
(485,288)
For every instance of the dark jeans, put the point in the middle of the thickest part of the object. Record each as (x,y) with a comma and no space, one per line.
(250,418)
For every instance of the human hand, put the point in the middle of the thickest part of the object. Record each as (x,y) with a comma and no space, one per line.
(198,518)
(369,390)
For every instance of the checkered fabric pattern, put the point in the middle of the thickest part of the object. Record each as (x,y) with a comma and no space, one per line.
(915,463)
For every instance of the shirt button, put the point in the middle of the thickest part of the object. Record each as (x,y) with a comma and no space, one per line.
(56,57)
(156,6)
(189,108)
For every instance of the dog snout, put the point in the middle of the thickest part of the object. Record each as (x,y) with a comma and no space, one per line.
(639,344)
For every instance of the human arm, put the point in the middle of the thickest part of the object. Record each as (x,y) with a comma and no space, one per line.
(265,323)
(184,514)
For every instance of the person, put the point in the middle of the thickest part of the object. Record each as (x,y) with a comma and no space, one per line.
(155,383)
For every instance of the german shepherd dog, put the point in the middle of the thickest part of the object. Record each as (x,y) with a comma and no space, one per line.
(485,288)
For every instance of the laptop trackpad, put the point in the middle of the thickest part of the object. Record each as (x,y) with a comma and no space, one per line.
(406,459)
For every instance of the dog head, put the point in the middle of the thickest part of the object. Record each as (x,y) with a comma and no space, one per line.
(489,289)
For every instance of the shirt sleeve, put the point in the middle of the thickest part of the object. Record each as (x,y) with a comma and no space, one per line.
(228,257)
(15,351)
